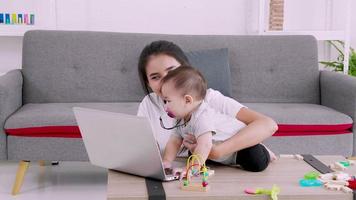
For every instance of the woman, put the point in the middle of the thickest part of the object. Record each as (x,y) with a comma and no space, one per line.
(155,61)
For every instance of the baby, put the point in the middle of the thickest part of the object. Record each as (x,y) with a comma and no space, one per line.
(183,91)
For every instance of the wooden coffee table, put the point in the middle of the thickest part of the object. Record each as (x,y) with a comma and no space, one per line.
(230,183)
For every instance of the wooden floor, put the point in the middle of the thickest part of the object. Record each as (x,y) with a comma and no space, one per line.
(66,181)
(230,183)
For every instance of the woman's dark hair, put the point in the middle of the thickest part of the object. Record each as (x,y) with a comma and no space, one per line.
(187,80)
(156,48)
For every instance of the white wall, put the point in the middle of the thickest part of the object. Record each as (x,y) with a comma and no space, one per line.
(353,25)
(10,53)
(226,17)
(154,16)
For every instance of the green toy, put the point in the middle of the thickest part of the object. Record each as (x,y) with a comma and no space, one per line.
(273,192)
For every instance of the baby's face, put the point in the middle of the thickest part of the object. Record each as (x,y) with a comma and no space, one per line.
(174,102)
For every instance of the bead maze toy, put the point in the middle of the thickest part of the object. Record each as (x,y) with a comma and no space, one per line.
(195,168)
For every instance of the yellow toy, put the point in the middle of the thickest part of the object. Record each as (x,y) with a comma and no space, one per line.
(195,167)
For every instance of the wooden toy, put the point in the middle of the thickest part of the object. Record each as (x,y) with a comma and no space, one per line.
(295,156)
(342,165)
(339,181)
(333,187)
(195,168)
(335,176)
(346,189)
(337,166)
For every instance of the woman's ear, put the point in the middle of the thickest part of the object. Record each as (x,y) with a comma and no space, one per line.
(188,99)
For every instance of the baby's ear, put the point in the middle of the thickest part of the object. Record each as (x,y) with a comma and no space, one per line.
(188,99)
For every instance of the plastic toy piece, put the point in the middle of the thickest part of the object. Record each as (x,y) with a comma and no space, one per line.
(311,175)
(352,184)
(250,191)
(345,163)
(273,192)
(310,180)
(310,183)
(195,167)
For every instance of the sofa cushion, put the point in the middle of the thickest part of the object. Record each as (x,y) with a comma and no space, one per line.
(296,119)
(212,62)
(77,66)
(56,119)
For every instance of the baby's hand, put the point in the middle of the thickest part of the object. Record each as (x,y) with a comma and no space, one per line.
(179,172)
(190,142)
(167,167)
(167,164)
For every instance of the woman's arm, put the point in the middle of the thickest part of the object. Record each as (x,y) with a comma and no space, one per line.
(204,145)
(259,127)
(171,150)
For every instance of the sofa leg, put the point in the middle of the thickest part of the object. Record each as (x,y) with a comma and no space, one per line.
(21,171)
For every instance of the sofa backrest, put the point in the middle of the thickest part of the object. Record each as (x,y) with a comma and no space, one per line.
(80,66)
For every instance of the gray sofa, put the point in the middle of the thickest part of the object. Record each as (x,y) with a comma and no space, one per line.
(275,75)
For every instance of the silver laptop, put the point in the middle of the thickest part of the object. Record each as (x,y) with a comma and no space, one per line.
(121,142)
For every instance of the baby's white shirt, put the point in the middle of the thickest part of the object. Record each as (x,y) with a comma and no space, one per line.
(205,119)
(153,109)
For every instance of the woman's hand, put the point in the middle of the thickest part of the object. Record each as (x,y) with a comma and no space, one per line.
(190,142)
(214,153)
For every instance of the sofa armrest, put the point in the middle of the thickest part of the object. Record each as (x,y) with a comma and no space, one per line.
(338,91)
(10,101)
